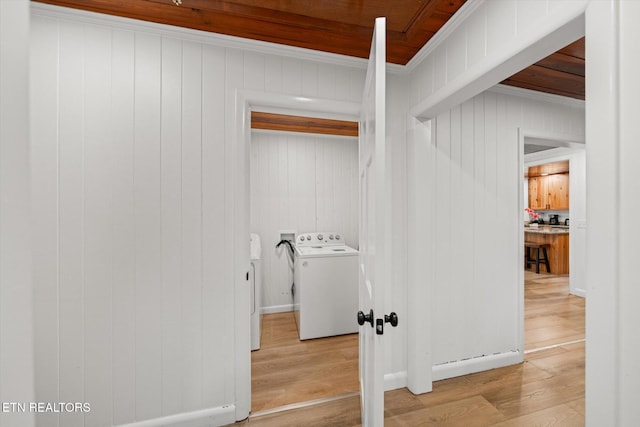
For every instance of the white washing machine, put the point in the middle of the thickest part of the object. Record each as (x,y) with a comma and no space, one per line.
(255,282)
(325,294)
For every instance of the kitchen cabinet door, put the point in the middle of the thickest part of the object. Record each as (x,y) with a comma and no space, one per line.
(558,187)
(538,193)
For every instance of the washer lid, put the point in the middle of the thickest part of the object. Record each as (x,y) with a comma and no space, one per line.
(325,251)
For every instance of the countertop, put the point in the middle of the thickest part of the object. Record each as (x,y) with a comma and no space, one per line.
(543,229)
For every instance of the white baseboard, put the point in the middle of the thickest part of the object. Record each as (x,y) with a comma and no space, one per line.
(476,364)
(578,292)
(395,380)
(277,308)
(218,416)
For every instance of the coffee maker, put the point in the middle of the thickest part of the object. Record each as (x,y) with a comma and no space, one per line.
(554,219)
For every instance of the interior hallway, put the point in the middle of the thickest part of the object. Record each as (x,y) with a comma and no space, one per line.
(548,388)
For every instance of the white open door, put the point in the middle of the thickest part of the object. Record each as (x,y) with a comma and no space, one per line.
(375,231)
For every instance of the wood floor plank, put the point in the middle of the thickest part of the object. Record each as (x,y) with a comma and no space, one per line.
(481,383)
(561,415)
(473,411)
(514,402)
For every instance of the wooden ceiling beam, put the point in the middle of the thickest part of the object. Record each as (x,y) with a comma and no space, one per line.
(287,123)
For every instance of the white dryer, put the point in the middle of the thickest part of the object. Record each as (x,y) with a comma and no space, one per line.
(325,293)
(255,282)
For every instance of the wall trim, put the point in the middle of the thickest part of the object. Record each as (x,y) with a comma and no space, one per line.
(579,292)
(395,380)
(537,96)
(476,364)
(277,308)
(219,415)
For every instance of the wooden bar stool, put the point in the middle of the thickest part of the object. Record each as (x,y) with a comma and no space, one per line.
(541,249)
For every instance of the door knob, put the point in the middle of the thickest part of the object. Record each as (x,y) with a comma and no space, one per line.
(365,317)
(391,318)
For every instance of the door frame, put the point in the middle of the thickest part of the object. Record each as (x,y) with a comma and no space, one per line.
(245,102)
(571,141)
(563,140)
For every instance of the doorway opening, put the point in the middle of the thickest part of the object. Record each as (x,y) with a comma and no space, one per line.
(302,178)
(553,185)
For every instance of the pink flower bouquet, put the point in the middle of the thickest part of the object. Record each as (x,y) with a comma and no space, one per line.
(533,215)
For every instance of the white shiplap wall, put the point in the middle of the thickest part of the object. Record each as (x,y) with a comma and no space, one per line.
(474,269)
(305,183)
(16,290)
(133,282)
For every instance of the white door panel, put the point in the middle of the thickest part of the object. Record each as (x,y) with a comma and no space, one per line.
(374,264)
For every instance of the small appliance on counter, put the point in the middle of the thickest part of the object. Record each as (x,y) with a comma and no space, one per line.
(554,219)
(566,222)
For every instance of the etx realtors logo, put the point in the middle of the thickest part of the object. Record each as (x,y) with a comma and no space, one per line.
(54,407)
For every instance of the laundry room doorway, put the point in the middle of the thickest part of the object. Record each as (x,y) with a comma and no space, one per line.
(303,178)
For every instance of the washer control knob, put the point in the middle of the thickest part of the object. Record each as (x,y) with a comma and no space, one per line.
(308,237)
(330,236)
(319,236)
(301,238)
(337,237)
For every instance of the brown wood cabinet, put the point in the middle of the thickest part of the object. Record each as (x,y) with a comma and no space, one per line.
(558,188)
(538,193)
(558,251)
(549,186)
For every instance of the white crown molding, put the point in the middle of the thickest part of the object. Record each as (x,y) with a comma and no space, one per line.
(451,25)
(204,37)
(537,96)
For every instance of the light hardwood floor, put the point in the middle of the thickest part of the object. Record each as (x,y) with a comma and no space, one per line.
(286,370)
(547,389)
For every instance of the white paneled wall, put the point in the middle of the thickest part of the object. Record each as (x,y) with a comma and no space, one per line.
(305,183)
(133,274)
(474,270)
(16,296)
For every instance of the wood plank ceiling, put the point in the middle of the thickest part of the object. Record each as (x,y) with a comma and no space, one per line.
(338,26)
